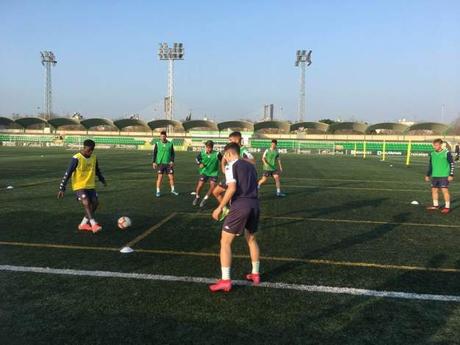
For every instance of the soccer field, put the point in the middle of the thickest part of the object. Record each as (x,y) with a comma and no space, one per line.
(346,258)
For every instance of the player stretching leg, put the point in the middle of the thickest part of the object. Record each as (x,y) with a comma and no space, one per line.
(208,161)
(83,169)
(441,172)
(163,162)
(269,158)
(243,218)
(234,137)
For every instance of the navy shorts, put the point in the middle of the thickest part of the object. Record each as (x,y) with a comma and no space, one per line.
(268,173)
(242,215)
(223,184)
(205,178)
(165,169)
(439,182)
(89,194)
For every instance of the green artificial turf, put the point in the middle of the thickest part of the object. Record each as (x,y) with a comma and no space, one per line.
(338,208)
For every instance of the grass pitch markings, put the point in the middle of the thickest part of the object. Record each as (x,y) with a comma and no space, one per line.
(240,256)
(267,285)
(150,230)
(333,220)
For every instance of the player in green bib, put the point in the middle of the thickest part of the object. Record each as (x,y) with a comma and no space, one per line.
(208,161)
(270,159)
(163,162)
(440,172)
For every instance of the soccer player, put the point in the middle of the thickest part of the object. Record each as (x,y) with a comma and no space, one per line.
(208,161)
(270,157)
(83,170)
(163,162)
(243,218)
(234,137)
(440,172)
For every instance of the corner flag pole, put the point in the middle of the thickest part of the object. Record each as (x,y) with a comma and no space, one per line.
(409,149)
(384,150)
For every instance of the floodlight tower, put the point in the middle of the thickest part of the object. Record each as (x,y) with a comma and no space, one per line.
(170,54)
(48,60)
(303,60)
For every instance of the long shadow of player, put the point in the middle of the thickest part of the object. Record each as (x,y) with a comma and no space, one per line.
(350,205)
(344,244)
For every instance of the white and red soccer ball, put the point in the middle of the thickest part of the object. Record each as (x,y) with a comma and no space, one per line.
(124,222)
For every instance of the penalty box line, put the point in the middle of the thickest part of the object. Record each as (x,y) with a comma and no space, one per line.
(150,230)
(241,256)
(267,285)
(335,220)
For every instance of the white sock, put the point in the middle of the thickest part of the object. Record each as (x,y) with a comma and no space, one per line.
(278,190)
(93,221)
(206,197)
(258,186)
(435,202)
(197,196)
(158,190)
(84,221)
(225,273)
(447,204)
(255,267)
(172,188)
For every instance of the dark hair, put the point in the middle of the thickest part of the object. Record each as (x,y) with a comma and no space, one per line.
(163,133)
(209,143)
(235,134)
(274,141)
(437,141)
(89,143)
(232,147)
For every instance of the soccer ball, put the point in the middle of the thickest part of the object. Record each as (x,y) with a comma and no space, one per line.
(124,223)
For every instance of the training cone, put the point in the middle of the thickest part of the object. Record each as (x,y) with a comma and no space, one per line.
(10,187)
(415,202)
(126,250)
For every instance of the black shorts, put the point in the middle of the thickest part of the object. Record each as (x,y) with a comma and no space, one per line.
(268,173)
(165,169)
(89,194)
(439,182)
(242,215)
(205,178)
(223,184)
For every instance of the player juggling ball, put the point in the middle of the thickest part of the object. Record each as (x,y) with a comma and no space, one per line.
(83,170)
(208,161)
(270,158)
(243,218)
(163,162)
(440,172)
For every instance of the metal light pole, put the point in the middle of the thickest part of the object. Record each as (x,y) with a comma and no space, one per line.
(48,60)
(303,60)
(170,54)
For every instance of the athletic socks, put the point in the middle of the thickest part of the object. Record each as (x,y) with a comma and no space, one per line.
(92,222)
(225,273)
(158,190)
(172,189)
(255,267)
(84,221)
(435,203)
(447,204)
(278,190)
(206,197)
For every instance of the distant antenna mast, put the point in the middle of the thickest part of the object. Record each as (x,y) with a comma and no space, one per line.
(303,60)
(170,54)
(48,60)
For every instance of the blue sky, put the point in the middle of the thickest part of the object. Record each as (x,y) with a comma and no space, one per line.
(372,60)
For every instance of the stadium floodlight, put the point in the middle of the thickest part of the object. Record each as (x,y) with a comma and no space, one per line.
(303,60)
(170,54)
(48,60)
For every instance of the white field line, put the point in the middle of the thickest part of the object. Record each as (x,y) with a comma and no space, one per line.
(270,285)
